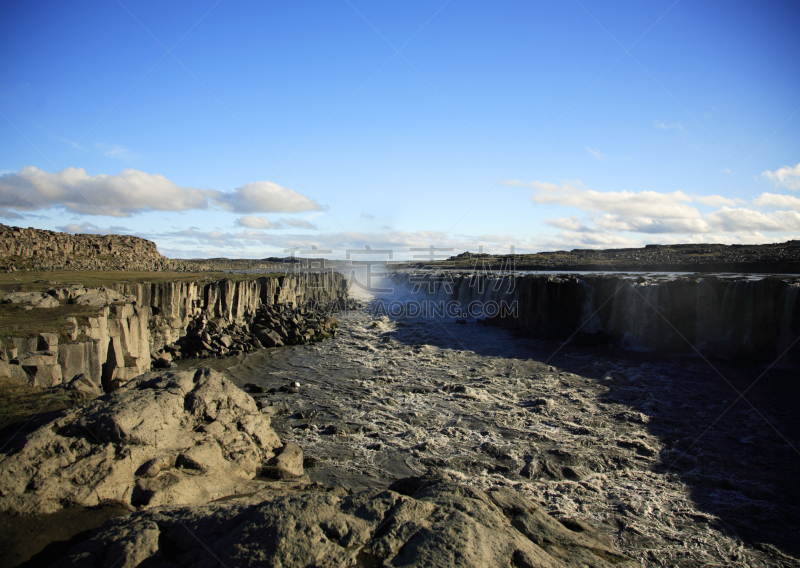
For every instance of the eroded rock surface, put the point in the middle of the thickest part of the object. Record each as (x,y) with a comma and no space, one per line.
(162,438)
(422,522)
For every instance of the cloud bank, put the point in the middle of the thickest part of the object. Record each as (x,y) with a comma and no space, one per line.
(132,191)
(258,222)
(615,218)
(263,197)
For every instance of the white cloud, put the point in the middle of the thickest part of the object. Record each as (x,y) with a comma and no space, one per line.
(133,191)
(258,222)
(748,220)
(642,204)
(567,223)
(516,183)
(787,176)
(777,200)
(116,152)
(717,200)
(130,191)
(652,226)
(255,222)
(596,153)
(298,223)
(263,197)
(90,228)
(664,126)
(612,214)
(368,216)
(588,238)
(261,244)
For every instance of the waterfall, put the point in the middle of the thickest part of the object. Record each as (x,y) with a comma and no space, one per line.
(707,319)
(635,313)
(740,319)
(590,321)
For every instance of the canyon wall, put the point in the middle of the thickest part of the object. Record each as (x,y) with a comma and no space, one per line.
(135,320)
(731,318)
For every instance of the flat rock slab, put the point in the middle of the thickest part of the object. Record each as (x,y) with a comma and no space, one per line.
(162,438)
(440,524)
(36,299)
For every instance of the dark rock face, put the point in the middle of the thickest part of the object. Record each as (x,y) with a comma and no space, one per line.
(440,524)
(270,326)
(731,318)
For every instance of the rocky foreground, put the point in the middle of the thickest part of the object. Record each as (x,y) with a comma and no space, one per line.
(208,481)
(414,523)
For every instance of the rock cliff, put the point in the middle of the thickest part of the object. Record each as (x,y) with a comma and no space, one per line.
(727,317)
(48,250)
(134,321)
(37,249)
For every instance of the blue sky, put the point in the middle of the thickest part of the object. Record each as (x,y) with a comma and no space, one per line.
(240,129)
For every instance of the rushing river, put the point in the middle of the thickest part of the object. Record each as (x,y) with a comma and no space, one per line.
(657,453)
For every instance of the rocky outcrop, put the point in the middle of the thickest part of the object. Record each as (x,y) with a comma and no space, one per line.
(138,323)
(37,249)
(415,523)
(163,438)
(190,455)
(112,346)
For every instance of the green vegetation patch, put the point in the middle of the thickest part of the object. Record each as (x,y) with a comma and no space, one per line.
(41,281)
(16,321)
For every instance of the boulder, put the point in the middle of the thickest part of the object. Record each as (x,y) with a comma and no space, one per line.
(36,299)
(438,524)
(38,358)
(85,385)
(269,338)
(14,372)
(288,464)
(48,341)
(104,450)
(99,297)
(43,375)
(163,361)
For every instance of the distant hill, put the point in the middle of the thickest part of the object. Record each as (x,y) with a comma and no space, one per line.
(779,258)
